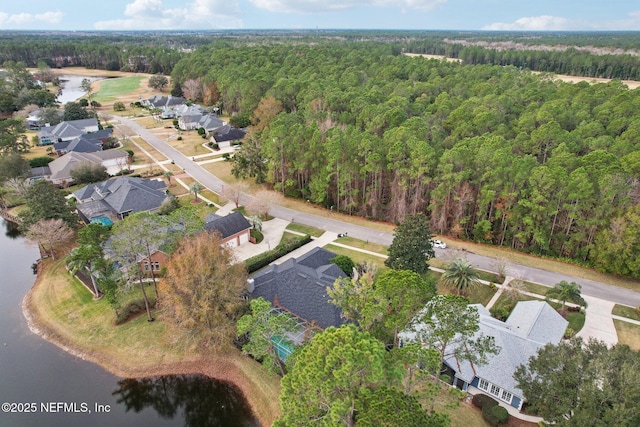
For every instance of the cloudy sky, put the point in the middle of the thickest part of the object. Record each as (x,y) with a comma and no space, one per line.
(323,14)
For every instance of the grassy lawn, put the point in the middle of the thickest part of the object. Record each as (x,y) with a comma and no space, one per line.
(576,321)
(190,145)
(210,195)
(37,151)
(489,277)
(202,209)
(628,312)
(356,256)
(361,244)
(305,229)
(178,190)
(479,294)
(535,288)
(509,300)
(223,171)
(139,158)
(110,89)
(628,334)
(149,149)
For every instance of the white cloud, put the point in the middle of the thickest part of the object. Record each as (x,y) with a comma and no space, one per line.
(557,23)
(314,6)
(198,14)
(533,23)
(29,20)
(144,8)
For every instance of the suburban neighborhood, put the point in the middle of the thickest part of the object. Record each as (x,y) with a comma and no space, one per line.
(337,263)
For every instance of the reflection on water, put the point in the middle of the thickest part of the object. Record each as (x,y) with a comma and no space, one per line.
(200,401)
(12,230)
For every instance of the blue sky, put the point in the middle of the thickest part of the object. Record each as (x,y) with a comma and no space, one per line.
(534,15)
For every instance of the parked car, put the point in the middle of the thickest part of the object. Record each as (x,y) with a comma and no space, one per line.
(439,244)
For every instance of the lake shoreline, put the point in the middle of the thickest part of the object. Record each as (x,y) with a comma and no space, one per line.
(229,368)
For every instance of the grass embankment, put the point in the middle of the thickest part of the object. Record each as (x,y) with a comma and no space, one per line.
(305,229)
(628,333)
(63,311)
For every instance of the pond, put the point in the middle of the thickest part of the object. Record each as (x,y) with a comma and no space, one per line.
(46,386)
(71,89)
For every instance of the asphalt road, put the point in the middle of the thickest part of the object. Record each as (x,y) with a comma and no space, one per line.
(549,278)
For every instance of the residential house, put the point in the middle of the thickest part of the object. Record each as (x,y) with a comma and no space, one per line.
(35,121)
(66,131)
(60,169)
(155,263)
(226,136)
(117,198)
(233,228)
(210,122)
(85,143)
(168,104)
(299,286)
(531,326)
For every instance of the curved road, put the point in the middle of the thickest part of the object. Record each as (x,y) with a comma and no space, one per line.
(549,278)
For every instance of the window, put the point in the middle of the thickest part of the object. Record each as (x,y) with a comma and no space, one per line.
(155,265)
(506,396)
(495,390)
(146,266)
(483,384)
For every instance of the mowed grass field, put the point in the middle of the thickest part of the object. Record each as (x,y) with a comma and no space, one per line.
(110,89)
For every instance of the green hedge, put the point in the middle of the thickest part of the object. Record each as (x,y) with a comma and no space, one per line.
(481,400)
(39,162)
(257,262)
(495,415)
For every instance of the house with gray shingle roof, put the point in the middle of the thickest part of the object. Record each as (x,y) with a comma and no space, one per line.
(299,286)
(85,143)
(234,228)
(119,197)
(531,326)
(60,169)
(66,131)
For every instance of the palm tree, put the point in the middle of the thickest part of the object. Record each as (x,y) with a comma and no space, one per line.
(460,275)
(168,175)
(195,189)
(564,292)
(83,259)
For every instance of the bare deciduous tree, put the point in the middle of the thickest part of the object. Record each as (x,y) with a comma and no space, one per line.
(193,90)
(49,233)
(233,193)
(262,202)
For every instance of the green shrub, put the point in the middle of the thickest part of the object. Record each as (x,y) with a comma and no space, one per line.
(257,262)
(345,263)
(480,400)
(256,234)
(500,313)
(495,414)
(569,332)
(179,138)
(39,162)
